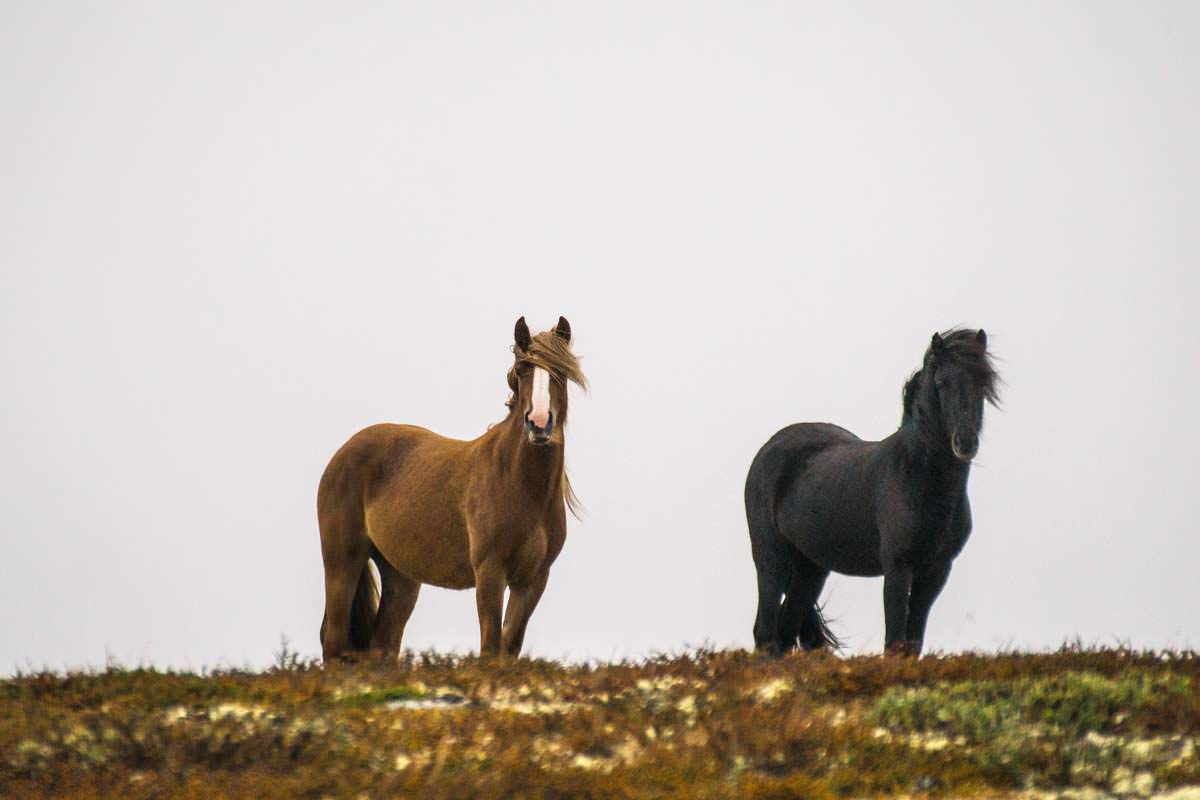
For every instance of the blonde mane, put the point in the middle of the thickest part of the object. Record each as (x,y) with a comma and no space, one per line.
(552,353)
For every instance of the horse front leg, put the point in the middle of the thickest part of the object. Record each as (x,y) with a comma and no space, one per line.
(897,583)
(489,601)
(926,587)
(522,600)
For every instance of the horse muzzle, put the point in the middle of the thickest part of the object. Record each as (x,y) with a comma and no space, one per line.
(539,435)
(964,447)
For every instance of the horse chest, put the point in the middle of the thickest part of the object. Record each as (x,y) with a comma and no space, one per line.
(937,531)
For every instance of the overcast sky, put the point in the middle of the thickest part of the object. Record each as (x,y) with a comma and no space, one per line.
(233,234)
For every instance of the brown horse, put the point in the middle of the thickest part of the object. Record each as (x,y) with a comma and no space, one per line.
(487,513)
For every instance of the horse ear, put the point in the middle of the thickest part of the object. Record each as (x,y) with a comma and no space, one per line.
(563,329)
(936,346)
(521,335)
(981,337)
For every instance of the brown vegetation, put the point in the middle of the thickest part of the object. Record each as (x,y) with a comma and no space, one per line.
(708,724)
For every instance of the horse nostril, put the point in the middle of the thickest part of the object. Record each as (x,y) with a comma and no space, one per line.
(964,447)
(539,417)
(542,431)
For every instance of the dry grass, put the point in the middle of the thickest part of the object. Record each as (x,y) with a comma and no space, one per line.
(708,724)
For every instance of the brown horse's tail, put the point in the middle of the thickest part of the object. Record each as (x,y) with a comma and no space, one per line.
(362,611)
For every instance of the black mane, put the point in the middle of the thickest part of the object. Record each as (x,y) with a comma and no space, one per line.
(910,395)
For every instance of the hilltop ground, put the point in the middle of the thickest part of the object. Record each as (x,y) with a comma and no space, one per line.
(1076,723)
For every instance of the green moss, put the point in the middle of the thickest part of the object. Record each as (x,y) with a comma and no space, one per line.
(1071,703)
(374,697)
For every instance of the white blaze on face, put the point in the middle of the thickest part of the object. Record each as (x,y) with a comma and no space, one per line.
(539,414)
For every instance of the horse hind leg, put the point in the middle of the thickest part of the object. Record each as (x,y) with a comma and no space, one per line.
(351,599)
(789,584)
(773,575)
(397,599)
(350,594)
(800,618)
(773,565)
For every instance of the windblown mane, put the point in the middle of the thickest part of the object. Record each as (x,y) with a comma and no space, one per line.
(909,395)
(964,348)
(552,353)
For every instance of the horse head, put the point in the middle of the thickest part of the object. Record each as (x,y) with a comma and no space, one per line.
(956,379)
(542,365)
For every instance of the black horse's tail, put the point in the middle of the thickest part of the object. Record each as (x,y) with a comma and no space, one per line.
(803,625)
(815,632)
(362,611)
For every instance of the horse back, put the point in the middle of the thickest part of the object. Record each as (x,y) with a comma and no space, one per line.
(372,457)
(788,454)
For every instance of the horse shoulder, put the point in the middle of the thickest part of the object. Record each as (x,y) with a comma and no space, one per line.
(897,517)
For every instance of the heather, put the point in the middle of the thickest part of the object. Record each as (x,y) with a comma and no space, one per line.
(706,724)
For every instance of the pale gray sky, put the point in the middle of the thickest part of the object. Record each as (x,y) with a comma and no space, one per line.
(234,234)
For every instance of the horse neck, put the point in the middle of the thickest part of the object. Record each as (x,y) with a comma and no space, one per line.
(537,468)
(925,450)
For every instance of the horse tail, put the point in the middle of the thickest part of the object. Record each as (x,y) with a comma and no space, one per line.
(364,609)
(799,624)
(815,632)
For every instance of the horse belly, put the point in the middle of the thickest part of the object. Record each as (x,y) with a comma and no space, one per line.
(838,534)
(847,550)
(427,544)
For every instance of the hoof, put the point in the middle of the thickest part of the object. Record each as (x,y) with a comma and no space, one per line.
(771,650)
(905,648)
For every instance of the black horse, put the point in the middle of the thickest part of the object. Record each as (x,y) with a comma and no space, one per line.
(821,500)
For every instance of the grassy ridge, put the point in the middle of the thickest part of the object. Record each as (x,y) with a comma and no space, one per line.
(708,724)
